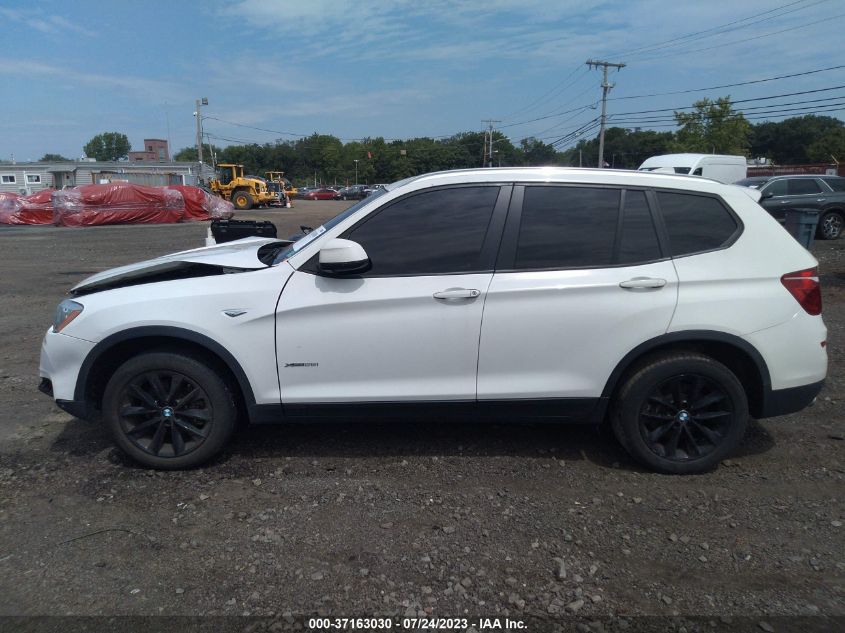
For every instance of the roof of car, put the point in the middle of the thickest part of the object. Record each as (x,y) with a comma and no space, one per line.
(563,174)
(806,176)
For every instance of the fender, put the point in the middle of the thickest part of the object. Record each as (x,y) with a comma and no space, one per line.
(168,332)
(689,336)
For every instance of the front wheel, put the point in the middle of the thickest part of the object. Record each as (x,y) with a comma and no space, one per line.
(830,225)
(242,200)
(680,413)
(169,411)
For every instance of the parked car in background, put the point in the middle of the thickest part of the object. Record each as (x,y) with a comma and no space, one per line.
(826,194)
(669,306)
(371,189)
(321,194)
(352,192)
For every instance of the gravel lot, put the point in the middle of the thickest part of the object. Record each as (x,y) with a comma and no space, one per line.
(438,518)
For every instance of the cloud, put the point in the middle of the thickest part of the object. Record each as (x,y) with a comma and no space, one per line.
(151,90)
(48,24)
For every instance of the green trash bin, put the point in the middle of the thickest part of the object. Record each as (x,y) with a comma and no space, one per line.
(801,224)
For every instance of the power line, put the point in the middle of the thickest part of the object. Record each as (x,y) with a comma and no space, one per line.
(835,106)
(719,30)
(741,83)
(755,81)
(588,106)
(696,35)
(754,117)
(751,39)
(558,88)
(735,101)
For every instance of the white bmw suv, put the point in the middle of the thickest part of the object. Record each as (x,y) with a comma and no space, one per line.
(671,307)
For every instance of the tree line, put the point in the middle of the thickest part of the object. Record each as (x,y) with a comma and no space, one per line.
(710,127)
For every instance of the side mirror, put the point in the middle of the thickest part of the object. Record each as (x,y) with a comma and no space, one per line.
(766,194)
(343,257)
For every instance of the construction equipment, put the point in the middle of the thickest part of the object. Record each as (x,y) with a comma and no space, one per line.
(243,192)
(278,183)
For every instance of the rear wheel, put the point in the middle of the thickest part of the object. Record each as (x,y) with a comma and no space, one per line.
(169,411)
(830,225)
(242,200)
(680,413)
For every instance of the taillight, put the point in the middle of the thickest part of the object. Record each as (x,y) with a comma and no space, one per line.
(804,286)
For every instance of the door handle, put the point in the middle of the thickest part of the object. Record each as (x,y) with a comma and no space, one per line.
(457,293)
(642,282)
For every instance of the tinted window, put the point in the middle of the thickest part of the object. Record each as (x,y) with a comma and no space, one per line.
(837,184)
(567,227)
(638,241)
(802,186)
(776,188)
(695,223)
(428,233)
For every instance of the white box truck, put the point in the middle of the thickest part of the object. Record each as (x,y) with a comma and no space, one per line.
(721,167)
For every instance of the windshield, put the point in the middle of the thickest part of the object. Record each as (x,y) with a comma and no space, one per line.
(290,250)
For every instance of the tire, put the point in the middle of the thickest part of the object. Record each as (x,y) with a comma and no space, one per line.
(169,411)
(680,413)
(830,225)
(242,200)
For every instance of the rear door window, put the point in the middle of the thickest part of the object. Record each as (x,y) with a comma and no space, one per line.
(567,227)
(695,223)
(584,227)
(802,186)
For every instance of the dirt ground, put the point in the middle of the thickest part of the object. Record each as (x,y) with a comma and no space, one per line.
(450,520)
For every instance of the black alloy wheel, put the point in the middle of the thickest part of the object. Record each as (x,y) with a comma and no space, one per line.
(680,412)
(170,410)
(165,414)
(685,417)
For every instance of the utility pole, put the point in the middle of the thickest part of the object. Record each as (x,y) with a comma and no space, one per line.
(489,132)
(198,113)
(356,171)
(605,88)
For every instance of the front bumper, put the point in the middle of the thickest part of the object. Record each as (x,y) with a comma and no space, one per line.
(77,408)
(61,359)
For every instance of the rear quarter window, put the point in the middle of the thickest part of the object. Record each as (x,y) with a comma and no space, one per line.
(695,223)
(837,184)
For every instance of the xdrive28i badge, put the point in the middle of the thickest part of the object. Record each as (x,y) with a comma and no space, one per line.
(301,364)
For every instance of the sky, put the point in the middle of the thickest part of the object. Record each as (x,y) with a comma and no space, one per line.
(282,69)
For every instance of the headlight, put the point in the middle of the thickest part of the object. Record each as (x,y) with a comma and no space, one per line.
(66,312)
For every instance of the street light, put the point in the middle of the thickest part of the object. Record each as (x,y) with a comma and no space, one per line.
(355,160)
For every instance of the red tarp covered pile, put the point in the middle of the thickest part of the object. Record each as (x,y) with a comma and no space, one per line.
(117,203)
(201,205)
(36,208)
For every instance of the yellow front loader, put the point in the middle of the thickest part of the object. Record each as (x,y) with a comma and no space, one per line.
(242,192)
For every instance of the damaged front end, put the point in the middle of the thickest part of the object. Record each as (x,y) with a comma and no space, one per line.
(229,258)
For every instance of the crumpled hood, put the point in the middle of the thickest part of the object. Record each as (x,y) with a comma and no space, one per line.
(237,256)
